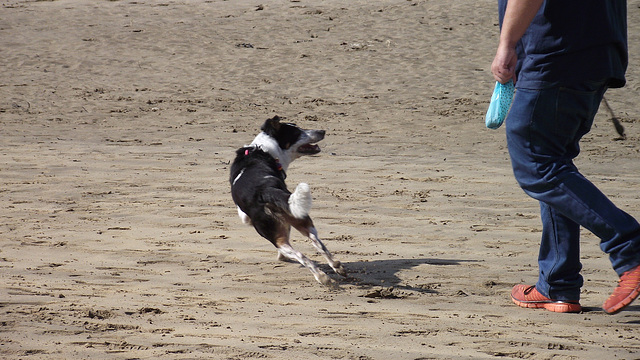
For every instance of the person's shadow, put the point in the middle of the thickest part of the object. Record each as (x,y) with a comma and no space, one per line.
(384,273)
(635,308)
(631,308)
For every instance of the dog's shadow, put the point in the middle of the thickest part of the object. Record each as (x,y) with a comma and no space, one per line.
(384,273)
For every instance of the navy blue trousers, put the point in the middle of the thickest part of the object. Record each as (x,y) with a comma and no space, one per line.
(544,128)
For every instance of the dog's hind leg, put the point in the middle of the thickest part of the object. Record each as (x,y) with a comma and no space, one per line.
(272,228)
(285,249)
(317,243)
(306,228)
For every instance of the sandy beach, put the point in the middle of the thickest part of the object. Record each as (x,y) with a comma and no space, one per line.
(119,238)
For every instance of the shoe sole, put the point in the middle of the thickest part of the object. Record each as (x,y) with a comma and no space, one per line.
(559,307)
(624,302)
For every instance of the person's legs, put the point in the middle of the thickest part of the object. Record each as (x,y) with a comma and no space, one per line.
(559,260)
(544,128)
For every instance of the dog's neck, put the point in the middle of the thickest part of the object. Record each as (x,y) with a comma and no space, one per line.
(251,148)
(267,144)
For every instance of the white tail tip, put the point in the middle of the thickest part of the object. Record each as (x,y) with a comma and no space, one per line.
(300,201)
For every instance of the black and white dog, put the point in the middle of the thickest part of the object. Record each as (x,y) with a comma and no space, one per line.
(261,195)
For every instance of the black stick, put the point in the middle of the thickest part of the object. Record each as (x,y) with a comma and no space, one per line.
(614,119)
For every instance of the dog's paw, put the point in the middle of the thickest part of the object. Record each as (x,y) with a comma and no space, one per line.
(324,279)
(339,269)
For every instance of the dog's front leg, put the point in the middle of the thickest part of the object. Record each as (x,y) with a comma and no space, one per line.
(244,217)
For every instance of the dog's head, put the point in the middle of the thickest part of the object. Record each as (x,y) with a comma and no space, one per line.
(286,141)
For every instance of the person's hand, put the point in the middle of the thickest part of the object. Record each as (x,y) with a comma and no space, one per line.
(503,67)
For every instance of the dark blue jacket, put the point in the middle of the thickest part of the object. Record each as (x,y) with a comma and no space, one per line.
(572,41)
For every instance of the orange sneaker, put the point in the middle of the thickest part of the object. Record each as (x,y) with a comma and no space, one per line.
(628,290)
(527,296)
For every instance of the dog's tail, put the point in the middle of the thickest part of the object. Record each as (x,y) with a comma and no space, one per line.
(300,201)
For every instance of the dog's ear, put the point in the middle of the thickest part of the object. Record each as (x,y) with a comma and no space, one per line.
(271,126)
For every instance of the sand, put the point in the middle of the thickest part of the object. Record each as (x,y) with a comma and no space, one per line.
(119,238)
